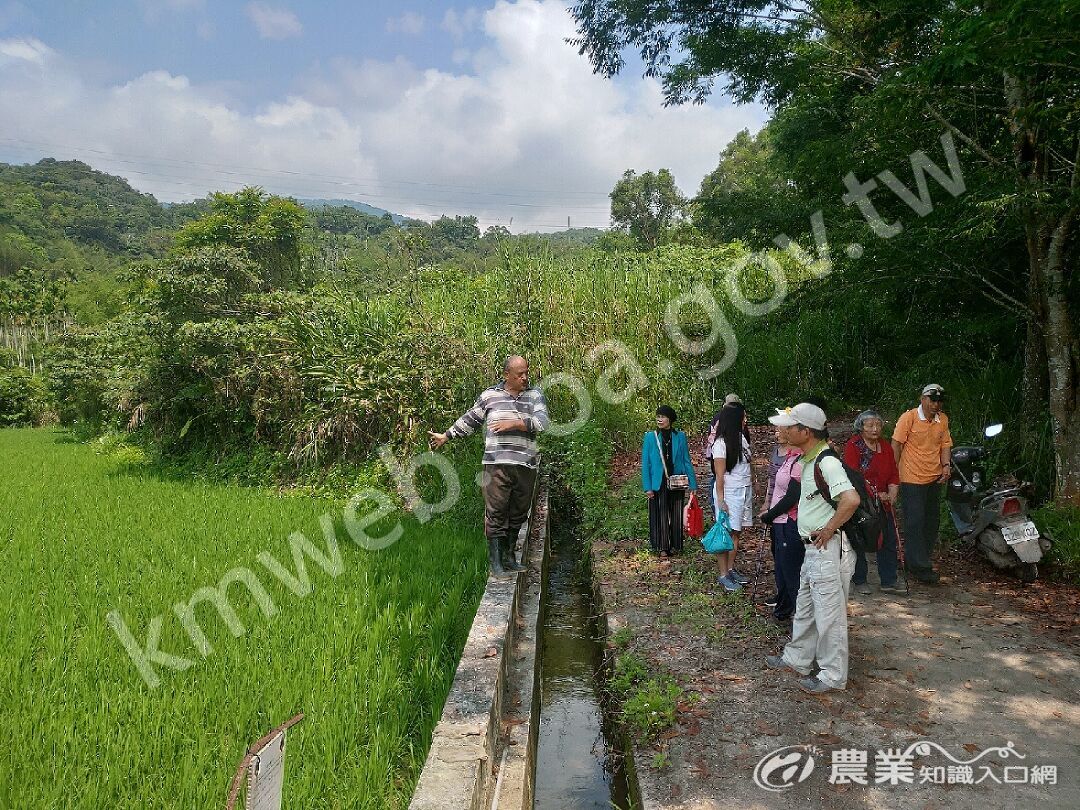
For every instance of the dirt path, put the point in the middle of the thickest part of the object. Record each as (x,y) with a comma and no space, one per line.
(976,663)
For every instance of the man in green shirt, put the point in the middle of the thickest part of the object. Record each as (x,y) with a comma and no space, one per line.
(819,630)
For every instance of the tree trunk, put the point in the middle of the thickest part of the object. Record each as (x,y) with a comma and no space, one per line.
(1048,229)
(1035,383)
(1063,364)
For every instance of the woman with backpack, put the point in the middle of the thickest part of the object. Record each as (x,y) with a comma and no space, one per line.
(870,454)
(667,474)
(732,490)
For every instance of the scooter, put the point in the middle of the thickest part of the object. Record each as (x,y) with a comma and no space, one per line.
(993,519)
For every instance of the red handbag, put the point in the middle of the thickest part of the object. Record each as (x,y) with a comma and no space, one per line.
(695,518)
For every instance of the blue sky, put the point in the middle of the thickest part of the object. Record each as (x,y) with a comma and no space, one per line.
(423,108)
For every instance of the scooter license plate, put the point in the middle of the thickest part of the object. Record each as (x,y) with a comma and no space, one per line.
(1019,532)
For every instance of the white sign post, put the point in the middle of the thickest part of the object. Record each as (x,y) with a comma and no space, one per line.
(266,773)
(264,767)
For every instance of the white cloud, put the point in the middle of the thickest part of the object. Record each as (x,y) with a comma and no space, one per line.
(272,22)
(525,130)
(24,50)
(459,23)
(155,11)
(408,23)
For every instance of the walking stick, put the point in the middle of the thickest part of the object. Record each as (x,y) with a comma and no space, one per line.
(900,561)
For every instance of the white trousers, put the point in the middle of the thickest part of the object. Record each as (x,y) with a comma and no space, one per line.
(820,628)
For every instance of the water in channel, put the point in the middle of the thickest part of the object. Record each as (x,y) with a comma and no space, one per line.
(578,764)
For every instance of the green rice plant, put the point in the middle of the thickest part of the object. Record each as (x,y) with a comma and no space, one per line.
(368,655)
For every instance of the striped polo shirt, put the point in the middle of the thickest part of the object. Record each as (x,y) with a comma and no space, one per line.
(514,446)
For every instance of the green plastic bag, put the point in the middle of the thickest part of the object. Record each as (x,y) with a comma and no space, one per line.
(718,538)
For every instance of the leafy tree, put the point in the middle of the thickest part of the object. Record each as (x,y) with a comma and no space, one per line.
(344,219)
(647,206)
(458,232)
(747,197)
(267,228)
(999,78)
(496,233)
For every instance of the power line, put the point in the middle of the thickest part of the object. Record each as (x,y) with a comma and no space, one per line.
(184,184)
(127,157)
(377,200)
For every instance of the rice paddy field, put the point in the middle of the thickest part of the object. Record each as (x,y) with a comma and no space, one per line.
(368,655)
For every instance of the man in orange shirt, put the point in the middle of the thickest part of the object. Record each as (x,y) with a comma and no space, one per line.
(922,444)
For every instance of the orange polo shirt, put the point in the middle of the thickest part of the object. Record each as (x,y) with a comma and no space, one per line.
(920,458)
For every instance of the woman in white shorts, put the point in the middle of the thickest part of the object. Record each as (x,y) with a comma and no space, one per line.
(732,490)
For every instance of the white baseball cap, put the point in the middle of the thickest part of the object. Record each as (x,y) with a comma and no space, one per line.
(802,414)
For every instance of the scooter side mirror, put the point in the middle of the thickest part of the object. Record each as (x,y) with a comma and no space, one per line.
(993,430)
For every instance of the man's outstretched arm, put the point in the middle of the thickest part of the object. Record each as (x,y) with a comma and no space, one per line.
(466,424)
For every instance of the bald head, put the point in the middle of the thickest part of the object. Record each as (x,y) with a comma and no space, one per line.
(516,373)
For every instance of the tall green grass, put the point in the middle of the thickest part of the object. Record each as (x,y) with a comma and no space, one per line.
(368,656)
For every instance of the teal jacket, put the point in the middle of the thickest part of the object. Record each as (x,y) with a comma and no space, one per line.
(652,466)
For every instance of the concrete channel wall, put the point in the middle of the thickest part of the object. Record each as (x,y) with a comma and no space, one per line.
(483,749)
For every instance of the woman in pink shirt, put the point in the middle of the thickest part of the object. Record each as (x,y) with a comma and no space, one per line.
(782,498)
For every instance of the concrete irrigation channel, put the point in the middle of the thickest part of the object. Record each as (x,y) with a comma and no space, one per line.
(523,726)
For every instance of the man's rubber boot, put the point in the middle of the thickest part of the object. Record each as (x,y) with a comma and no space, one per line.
(495,567)
(506,552)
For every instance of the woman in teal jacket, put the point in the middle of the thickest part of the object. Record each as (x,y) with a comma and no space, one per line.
(664,451)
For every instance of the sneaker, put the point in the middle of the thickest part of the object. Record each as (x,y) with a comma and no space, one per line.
(730,585)
(930,578)
(893,588)
(739,577)
(863,588)
(813,686)
(772,601)
(777,662)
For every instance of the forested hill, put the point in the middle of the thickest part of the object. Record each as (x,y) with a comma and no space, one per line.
(70,215)
(65,221)
(364,208)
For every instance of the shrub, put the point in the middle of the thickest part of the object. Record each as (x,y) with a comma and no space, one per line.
(24,399)
(1062,525)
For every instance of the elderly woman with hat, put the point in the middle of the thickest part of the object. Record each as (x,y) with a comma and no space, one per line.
(666,476)
(870,454)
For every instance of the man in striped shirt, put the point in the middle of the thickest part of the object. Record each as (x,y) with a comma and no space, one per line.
(513,415)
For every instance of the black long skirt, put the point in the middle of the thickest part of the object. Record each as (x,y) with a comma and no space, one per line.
(666,520)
